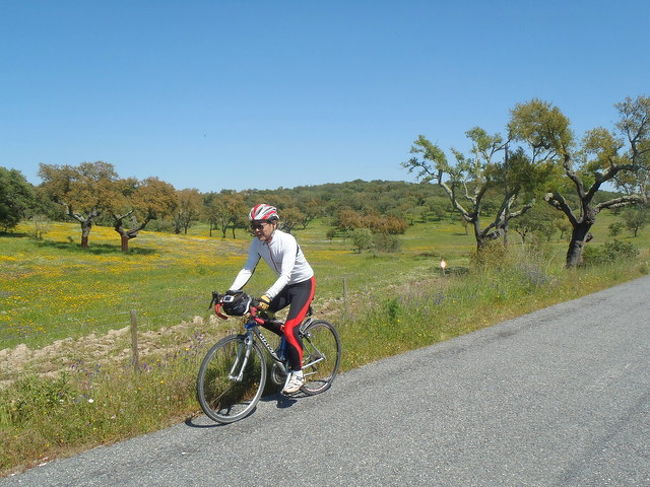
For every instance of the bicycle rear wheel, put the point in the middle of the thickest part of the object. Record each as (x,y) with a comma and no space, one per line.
(321,356)
(231,379)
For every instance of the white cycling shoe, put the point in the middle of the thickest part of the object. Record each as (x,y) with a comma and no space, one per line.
(295,380)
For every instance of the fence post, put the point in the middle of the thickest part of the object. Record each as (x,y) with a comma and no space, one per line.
(134,340)
(345,297)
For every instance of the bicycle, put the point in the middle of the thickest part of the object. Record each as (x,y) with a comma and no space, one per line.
(233,374)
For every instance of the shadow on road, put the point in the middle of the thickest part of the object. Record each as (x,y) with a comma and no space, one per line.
(283,401)
(202,422)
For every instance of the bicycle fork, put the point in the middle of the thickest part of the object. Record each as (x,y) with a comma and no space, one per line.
(241,360)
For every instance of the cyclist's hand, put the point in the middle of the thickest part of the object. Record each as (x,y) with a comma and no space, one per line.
(264,302)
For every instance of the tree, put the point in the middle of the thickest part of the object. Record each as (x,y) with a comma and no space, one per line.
(601,156)
(139,203)
(225,210)
(615,229)
(563,226)
(346,220)
(84,191)
(188,209)
(16,198)
(492,165)
(362,239)
(210,213)
(219,215)
(540,220)
(291,217)
(384,224)
(310,209)
(636,218)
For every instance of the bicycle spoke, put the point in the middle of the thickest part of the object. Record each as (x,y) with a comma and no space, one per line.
(322,350)
(231,379)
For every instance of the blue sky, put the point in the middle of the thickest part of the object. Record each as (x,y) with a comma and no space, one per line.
(262,94)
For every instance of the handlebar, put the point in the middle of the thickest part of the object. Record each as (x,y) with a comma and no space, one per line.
(247,304)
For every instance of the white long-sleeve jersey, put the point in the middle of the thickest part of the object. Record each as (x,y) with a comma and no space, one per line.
(283,255)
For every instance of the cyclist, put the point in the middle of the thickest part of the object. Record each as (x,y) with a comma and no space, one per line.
(294,287)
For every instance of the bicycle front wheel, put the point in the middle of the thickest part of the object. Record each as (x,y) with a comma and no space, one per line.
(321,356)
(231,379)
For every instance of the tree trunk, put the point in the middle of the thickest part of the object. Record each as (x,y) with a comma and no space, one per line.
(125,243)
(478,236)
(128,234)
(579,236)
(480,244)
(85,232)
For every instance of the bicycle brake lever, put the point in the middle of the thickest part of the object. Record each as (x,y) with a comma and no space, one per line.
(216,297)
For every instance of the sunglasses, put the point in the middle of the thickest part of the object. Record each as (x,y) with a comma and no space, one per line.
(258,226)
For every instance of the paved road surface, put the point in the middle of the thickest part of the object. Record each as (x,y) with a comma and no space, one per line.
(560,397)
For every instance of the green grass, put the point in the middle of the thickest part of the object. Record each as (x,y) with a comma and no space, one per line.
(52,289)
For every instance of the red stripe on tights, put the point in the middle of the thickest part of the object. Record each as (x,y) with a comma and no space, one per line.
(291,324)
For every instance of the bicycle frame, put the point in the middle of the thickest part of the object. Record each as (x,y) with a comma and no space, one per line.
(252,332)
(237,370)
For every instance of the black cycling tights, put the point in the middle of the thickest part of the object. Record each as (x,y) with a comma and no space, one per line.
(299,296)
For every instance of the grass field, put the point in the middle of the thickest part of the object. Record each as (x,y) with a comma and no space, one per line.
(53,289)
(69,301)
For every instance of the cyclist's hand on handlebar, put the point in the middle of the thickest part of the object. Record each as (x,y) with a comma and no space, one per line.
(264,302)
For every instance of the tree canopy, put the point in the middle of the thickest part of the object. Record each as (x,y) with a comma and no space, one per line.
(85,191)
(16,198)
(600,156)
(139,202)
(494,164)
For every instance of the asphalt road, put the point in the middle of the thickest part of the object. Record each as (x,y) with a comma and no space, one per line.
(559,397)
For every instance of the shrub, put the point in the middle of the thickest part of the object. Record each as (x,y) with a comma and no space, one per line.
(609,252)
(160,226)
(615,228)
(34,396)
(385,242)
(493,254)
(362,239)
(41,226)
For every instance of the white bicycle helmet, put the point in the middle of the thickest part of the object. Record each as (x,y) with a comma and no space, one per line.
(263,212)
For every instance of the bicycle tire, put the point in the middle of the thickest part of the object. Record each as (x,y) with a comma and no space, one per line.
(225,399)
(321,356)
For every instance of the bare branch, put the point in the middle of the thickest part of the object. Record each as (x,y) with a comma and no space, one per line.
(522,210)
(557,201)
(573,176)
(452,197)
(621,202)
